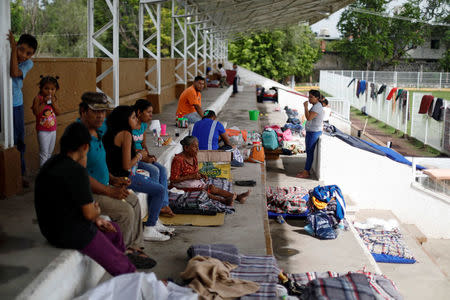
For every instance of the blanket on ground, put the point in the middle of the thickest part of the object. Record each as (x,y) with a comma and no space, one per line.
(380,284)
(385,242)
(286,199)
(261,269)
(197,200)
(210,278)
(223,252)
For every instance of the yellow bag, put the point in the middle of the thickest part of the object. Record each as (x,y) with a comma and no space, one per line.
(256,154)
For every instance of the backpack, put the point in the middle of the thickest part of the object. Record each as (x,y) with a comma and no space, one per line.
(256,154)
(270,139)
(321,226)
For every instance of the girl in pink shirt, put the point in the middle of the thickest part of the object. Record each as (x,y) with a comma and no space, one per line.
(45,108)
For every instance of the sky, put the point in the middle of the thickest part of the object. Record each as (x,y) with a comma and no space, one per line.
(331,22)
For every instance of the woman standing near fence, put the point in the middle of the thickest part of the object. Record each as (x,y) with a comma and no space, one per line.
(314,120)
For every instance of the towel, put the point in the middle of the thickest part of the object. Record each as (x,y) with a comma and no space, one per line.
(382,89)
(427,101)
(211,279)
(373,91)
(351,81)
(391,94)
(223,252)
(438,109)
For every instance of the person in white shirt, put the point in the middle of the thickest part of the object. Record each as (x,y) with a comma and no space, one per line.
(223,76)
(326,111)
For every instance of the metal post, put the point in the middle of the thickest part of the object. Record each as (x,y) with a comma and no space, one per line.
(90,25)
(440,80)
(185,47)
(155,17)
(418,79)
(172,31)
(177,43)
(114,53)
(6,100)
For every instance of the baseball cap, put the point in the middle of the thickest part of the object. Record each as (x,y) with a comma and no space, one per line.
(97,101)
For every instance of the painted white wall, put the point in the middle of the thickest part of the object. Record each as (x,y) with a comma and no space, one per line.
(376,182)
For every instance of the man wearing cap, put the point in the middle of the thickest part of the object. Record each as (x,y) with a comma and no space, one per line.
(109,191)
(190,103)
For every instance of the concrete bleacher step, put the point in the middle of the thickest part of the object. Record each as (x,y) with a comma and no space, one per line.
(424,279)
(71,273)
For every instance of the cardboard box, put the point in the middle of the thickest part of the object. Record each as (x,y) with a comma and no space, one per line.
(10,172)
(213,156)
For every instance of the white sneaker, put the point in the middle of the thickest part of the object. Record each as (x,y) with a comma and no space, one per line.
(152,234)
(161,228)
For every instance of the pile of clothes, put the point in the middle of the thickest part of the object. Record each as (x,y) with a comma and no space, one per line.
(326,211)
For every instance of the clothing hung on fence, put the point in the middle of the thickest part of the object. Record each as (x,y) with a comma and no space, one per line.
(438,109)
(351,81)
(447,130)
(427,101)
(361,88)
(382,89)
(373,90)
(358,86)
(391,94)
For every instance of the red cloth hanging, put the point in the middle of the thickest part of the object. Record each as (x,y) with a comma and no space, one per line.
(425,104)
(391,93)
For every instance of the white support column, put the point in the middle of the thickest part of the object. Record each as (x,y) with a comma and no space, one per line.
(6,100)
(154,13)
(179,46)
(113,6)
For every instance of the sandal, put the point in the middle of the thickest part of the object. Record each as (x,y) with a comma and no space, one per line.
(245,182)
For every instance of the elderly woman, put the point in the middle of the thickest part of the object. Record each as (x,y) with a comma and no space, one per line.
(185,175)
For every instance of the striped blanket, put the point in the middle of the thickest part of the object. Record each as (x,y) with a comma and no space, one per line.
(385,242)
(353,285)
(261,269)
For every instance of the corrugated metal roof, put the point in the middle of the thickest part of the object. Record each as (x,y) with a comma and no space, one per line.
(239,16)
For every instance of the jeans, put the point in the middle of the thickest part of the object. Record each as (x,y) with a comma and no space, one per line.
(155,195)
(19,133)
(235,85)
(158,174)
(193,117)
(311,140)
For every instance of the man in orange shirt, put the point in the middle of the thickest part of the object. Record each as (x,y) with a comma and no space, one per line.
(190,103)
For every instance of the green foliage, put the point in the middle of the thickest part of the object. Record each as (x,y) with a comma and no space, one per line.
(373,41)
(277,54)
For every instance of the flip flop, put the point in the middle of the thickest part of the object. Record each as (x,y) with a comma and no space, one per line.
(245,182)
(141,262)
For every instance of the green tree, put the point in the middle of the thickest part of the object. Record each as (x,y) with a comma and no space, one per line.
(372,41)
(277,54)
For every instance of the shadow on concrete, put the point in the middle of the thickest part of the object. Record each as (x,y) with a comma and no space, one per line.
(10,272)
(10,244)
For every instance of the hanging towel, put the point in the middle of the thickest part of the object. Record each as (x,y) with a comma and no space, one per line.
(351,81)
(427,101)
(358,87)
(373,91)
(391,94)
(447,130)
(362,87)
(382,89)
(438,108)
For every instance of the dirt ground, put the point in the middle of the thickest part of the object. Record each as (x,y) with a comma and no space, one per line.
(403,146)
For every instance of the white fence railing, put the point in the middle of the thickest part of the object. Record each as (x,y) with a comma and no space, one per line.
(404,79)
(396,114)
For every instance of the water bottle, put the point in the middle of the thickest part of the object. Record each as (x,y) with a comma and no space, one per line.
(280,219)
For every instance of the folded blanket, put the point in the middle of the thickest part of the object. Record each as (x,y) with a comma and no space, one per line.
(223,252)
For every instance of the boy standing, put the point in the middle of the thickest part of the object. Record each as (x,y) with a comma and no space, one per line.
(21,53)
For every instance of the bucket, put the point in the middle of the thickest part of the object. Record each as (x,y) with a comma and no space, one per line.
(253,114)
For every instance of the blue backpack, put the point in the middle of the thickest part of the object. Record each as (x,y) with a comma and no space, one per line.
(270,139)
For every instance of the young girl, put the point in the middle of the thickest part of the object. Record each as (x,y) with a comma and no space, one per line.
(45,108)
(121,157)
(158,172)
